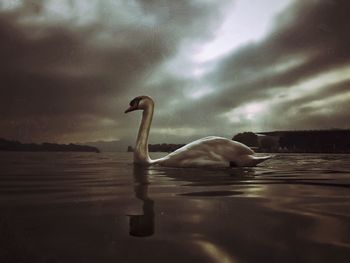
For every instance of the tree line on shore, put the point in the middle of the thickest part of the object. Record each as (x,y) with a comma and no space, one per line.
(8,145)
(310,141)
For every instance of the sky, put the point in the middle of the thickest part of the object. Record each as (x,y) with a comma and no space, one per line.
(69,68)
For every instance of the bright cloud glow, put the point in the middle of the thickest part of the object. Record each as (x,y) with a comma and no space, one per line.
(247,112)
(328,105)
(10,4)
(200,92)
(253,109)
(175,131)
(246,21)
(198,72)
(317,83)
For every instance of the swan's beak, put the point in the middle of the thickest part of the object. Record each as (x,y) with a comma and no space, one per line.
(131,108)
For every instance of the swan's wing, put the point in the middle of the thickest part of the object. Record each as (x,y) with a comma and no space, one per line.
(217,145)
(210,151)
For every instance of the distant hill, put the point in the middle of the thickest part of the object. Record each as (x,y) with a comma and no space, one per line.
(312,141)
(332,132)
(8,145)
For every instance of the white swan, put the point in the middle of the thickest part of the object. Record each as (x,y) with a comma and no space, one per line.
(208,151)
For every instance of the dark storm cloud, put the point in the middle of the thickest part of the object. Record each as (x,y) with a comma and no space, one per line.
(306,113)
(317,32)
(67,71)
(308,39)
(56,72)
(57,77)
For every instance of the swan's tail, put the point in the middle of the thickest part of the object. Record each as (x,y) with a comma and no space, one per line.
(250,160)
(259,159)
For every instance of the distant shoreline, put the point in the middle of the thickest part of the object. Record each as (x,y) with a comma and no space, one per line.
(16,146)
(308,141)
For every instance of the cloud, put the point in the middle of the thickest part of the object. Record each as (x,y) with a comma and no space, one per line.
(309,40)
(66,64)
(69,68)
(311,32)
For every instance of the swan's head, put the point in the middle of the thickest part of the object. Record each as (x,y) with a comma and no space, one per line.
(139,103)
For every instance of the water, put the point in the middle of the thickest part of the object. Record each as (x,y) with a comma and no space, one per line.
(87,207)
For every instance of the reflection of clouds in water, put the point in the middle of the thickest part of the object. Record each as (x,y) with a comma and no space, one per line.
(306,201)
(214,252)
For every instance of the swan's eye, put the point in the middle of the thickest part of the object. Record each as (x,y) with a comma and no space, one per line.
(135,102)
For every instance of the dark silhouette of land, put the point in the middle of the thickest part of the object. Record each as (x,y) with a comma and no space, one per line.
(308,141)
(248,138)
(314,141)
(8,145)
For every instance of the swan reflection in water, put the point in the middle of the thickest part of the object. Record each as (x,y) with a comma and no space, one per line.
(142,225)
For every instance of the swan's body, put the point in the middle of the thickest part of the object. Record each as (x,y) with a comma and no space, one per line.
(208,151)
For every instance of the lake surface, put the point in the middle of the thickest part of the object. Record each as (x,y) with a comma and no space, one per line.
(87,207)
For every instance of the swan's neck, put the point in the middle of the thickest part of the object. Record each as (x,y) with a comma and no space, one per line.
(141,148)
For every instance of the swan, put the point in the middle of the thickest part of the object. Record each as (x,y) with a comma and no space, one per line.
(208,151)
